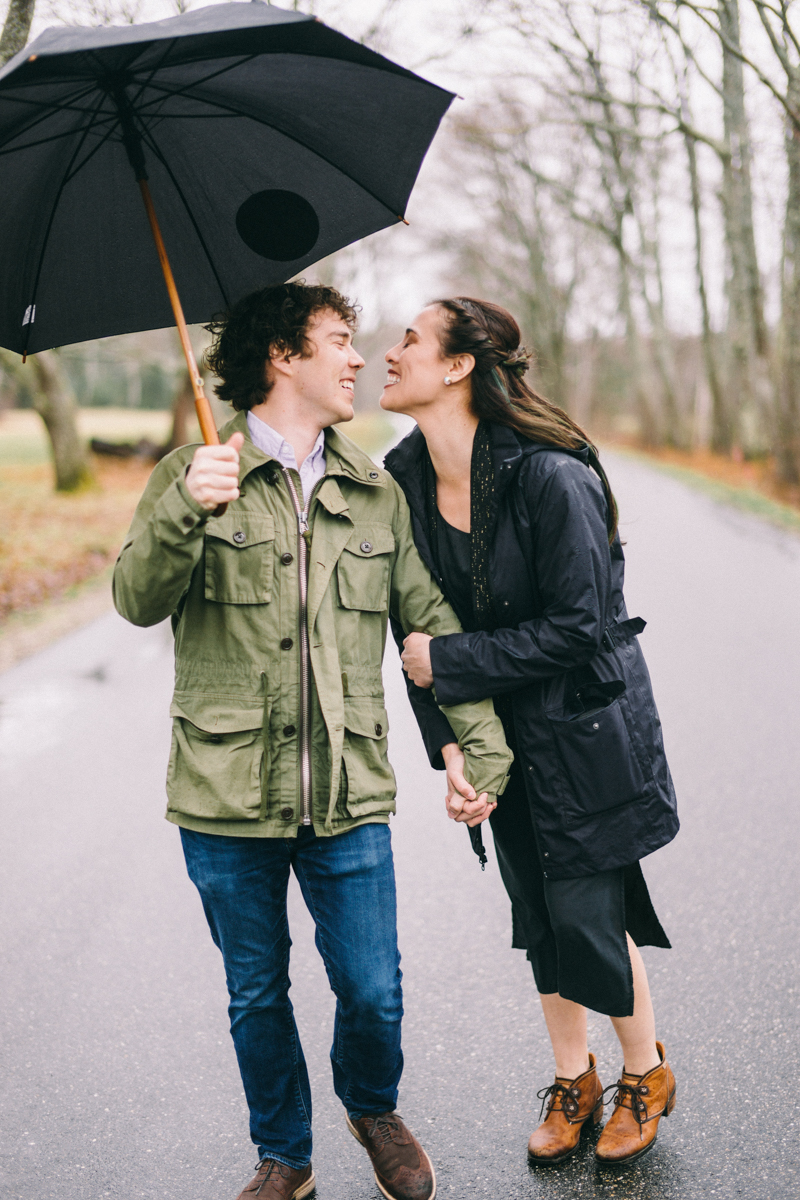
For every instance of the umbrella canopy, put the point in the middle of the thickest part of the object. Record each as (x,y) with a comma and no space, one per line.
(269,141)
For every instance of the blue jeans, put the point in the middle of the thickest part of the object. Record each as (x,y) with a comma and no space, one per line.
(347,882)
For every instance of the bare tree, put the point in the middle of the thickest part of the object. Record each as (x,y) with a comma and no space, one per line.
(516,251)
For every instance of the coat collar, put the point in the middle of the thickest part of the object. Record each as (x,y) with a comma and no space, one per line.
(405,462)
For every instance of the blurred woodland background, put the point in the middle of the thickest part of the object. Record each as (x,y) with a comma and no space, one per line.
(624,175)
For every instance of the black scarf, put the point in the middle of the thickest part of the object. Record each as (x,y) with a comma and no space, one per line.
(482,503)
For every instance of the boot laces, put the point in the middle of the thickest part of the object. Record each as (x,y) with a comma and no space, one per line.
(633,1092)
(567,1095)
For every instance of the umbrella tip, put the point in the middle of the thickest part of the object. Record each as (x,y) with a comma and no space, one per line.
(401,218)
(24,358)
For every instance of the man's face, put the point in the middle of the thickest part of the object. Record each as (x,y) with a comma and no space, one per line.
(324,383)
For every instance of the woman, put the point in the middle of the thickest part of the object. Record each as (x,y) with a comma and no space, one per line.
(515,518)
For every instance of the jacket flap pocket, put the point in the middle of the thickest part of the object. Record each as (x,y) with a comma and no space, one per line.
(365,718)
(242,529)
(369,540)
(586,699)
(217,716)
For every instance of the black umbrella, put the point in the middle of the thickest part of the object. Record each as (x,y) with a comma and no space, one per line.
(268,139)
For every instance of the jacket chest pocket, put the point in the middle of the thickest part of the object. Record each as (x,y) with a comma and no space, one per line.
(239,558)
(362,571)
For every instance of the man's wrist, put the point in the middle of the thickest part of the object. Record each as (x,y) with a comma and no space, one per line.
(449,750)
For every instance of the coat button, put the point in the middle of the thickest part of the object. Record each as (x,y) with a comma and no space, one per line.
(239,537)
(188,522)
(287,813)
(373,474)
(289,730)
(287,558)
(286,643)
(378,728)
(366,547)
(595,726)
(546,854)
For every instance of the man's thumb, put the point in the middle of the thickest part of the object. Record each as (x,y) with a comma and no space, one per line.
(461,785)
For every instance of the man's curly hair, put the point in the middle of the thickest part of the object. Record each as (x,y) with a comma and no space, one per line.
(274,319)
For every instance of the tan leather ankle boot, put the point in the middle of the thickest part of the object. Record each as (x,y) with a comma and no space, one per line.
(639,1104)
(570,1104)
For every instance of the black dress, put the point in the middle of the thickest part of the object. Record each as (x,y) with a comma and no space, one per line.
(572,929)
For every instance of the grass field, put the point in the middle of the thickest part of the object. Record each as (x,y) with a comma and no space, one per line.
(51,543)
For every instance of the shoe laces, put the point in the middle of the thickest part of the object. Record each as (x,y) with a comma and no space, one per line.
(568,1097)
(381,1131)
(270,1167)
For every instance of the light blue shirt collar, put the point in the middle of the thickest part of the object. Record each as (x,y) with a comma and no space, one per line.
(275,445)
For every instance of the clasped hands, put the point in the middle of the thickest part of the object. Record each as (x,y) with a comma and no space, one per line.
(462,802)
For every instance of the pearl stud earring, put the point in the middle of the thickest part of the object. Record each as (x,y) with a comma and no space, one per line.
(448,380)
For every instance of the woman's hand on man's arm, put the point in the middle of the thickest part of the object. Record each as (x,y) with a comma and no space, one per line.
(416,659)
(461,802)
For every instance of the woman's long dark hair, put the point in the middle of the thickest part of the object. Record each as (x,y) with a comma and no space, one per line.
(499,391)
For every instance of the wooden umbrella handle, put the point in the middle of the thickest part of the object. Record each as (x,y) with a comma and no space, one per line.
(204,414)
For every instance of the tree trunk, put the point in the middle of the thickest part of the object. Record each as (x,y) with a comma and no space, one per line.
(748,388)
(54,401)
(16,29)
(719,409)
(788,439)
(648,427)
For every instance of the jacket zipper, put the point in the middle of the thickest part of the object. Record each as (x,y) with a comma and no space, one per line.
(304,722)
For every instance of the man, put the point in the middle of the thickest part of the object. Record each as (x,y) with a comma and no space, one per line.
(279,608)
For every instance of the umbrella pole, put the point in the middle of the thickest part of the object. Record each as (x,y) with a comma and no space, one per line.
(204,414)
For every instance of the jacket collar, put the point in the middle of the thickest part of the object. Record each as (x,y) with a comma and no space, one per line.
(342,456)
(405,462)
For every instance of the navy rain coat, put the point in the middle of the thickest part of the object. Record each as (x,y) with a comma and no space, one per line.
(586,729)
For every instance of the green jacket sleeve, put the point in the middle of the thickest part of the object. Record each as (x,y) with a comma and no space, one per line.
(418,605)
(162,549)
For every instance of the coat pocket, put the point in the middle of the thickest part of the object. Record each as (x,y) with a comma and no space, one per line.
(600,766)
(215,776)
(369,779)
(362,572)
(239,558)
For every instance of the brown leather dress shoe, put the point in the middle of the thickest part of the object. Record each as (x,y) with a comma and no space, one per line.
(639,1104)
(402,1169)
(570,1104)
(276,1181)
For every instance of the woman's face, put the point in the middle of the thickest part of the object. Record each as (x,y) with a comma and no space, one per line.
(416,367)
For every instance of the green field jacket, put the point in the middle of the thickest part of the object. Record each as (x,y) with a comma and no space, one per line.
(231,586)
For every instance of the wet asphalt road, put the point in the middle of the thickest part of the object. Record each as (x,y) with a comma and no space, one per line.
(117,1076)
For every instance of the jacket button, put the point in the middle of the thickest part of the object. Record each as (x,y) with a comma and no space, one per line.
(287,558)
(289,730)
(546,854)
(366,547)
(239,537)
(286,643)
(373,474)
(287,813)
(188,522)
(378,728)
(595,726)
